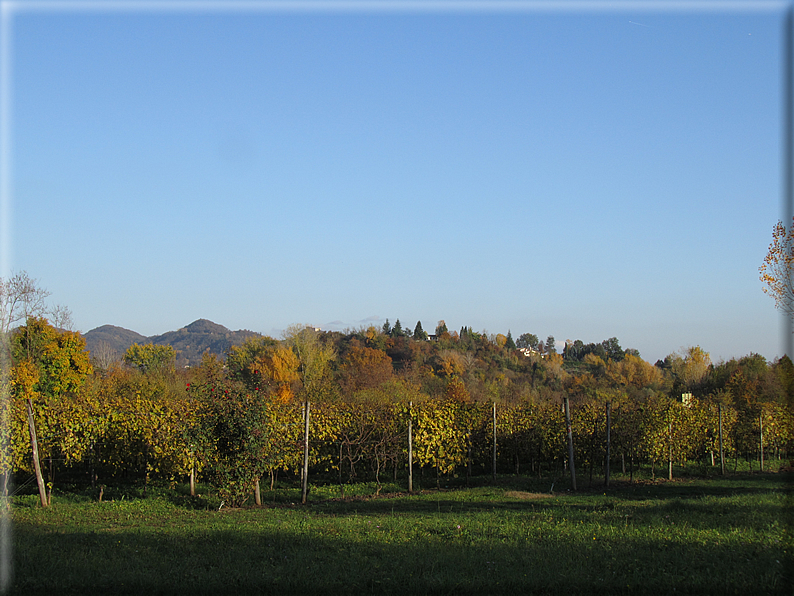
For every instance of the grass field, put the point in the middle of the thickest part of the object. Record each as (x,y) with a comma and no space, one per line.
(728,535)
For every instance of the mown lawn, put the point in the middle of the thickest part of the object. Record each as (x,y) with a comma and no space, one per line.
(727,535)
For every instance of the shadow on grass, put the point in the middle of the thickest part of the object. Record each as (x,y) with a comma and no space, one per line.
(440,542)
(267,561)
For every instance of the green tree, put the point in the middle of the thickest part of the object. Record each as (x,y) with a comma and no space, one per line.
(551,347)
(419,333)
(149,358)
(613,349)
(386,329)
(237,423)
(528,340)
(510,344)
(398,329)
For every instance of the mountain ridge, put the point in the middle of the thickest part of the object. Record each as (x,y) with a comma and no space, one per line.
(108,343)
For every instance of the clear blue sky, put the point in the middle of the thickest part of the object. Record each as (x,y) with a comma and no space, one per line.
(580,174)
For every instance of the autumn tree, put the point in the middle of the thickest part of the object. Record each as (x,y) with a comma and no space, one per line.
(149,358)
(59,357)
(691,370)
(314,357)
(50,367)
(363,368)
(441,328)
(776,271)
(456,391)
(262,363)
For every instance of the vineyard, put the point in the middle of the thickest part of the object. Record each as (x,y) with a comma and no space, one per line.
(297,409)
(236,438)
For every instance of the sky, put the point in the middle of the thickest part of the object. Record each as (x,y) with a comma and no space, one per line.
(585,174)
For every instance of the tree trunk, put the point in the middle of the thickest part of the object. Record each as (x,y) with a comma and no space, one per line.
(35,447)
(192,481)
(257,493)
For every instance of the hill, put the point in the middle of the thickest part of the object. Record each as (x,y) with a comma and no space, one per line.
(108,342)
(201,336)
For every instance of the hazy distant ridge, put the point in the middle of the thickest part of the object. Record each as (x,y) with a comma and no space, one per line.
(190,342)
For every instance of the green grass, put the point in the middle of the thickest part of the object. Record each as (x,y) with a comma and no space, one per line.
(694,536)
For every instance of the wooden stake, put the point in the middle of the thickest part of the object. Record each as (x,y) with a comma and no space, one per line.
(305,487)
(670,450)
(569,431)
(35,446)
(609,431)
(722,453)
(494,441)
(410,448)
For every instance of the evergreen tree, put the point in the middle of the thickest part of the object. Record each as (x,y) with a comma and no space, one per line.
(550,347)
(397,331)
(386,328)
(510,344)
(419,333)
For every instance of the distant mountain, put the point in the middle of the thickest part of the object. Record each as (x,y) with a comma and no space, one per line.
(109,342)
(201,336)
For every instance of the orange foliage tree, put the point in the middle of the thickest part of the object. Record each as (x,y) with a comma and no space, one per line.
(776,272)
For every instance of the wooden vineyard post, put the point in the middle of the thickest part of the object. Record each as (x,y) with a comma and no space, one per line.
(569,431)
(761,437)
(305,485)
(722,453)
(35,446)
(410,447)
(609,432)
(670,450)
(494,441)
